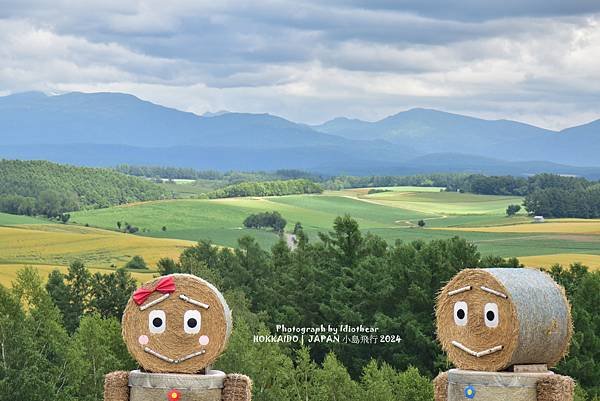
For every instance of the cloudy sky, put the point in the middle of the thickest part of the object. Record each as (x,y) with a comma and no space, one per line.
(536,61)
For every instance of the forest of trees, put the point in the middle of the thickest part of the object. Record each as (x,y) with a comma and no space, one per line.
(445,180)
(266,188)
(229,177)
(272,220)
(49,189)
(45,188)
(61,338)
(549,195)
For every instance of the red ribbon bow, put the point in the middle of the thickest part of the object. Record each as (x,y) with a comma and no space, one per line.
(164,286)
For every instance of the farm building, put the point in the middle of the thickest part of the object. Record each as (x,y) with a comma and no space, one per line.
(538,219)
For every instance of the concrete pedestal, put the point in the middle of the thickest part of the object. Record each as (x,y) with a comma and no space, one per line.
(159,386)
(493,386)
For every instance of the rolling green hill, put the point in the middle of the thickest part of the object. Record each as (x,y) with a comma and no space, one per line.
(28,186)
(392,215)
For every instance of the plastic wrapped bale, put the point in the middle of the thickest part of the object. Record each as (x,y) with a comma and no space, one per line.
(492,319)
(493,386)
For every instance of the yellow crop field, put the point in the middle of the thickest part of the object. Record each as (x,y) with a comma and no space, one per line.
(8,272)
(565,259)
(558,226)
(59,245)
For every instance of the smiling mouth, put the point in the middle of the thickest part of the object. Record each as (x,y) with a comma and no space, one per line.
(171,360)
(475,353)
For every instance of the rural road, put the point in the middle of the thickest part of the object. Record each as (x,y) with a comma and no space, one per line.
(291,241)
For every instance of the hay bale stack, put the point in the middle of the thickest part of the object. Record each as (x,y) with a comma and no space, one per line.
(171,350)
(555,388)
(237,387)
(158,386)
(494,386)
(440,387)
(531,319)
(116,386)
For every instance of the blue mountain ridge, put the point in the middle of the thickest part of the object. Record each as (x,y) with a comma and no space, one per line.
(104,129)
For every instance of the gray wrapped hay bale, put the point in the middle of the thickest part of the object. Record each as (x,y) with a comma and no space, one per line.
(492,319)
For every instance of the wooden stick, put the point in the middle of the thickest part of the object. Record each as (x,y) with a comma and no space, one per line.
(467,288)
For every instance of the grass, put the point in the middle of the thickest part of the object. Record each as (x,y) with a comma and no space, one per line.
(445,203)
(220,220)
(591,227)
(392,215)
(565,259)
(57,244)
(11,220)
(192,188)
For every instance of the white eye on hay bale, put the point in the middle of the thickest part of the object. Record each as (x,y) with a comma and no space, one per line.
(492,319)
(176,324)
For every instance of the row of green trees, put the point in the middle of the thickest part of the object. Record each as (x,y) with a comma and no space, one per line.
(519,186)
(556,202)
(266,188)
(229,177)
(272,220)
(42,187)
(445,180)
(48,203)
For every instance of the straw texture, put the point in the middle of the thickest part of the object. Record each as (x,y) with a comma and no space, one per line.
(116,386)
(556,388)
(237,388)
(534,322)
(440,387)
(184,352)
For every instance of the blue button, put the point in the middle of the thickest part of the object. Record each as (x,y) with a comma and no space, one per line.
(470,392)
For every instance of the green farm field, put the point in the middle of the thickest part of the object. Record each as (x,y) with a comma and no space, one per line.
(393,215)
(27,241)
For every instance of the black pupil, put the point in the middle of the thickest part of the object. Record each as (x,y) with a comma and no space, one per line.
(460,314)
(157,322)
(489,315)
(192,322)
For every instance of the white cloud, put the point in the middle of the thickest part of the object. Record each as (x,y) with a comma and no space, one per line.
(308,61)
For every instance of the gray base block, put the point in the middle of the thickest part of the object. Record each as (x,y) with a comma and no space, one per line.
(493,386)
(157,386)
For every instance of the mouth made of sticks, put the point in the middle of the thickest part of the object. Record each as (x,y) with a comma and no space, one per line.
(475,353)
(171,360)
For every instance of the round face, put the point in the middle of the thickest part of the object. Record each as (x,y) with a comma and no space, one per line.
(476,322)
(177,323)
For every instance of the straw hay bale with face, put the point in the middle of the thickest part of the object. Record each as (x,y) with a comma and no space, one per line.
(175,327)
(491,319)
(182,331)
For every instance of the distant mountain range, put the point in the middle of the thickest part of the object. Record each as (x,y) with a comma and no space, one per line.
(104,129)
